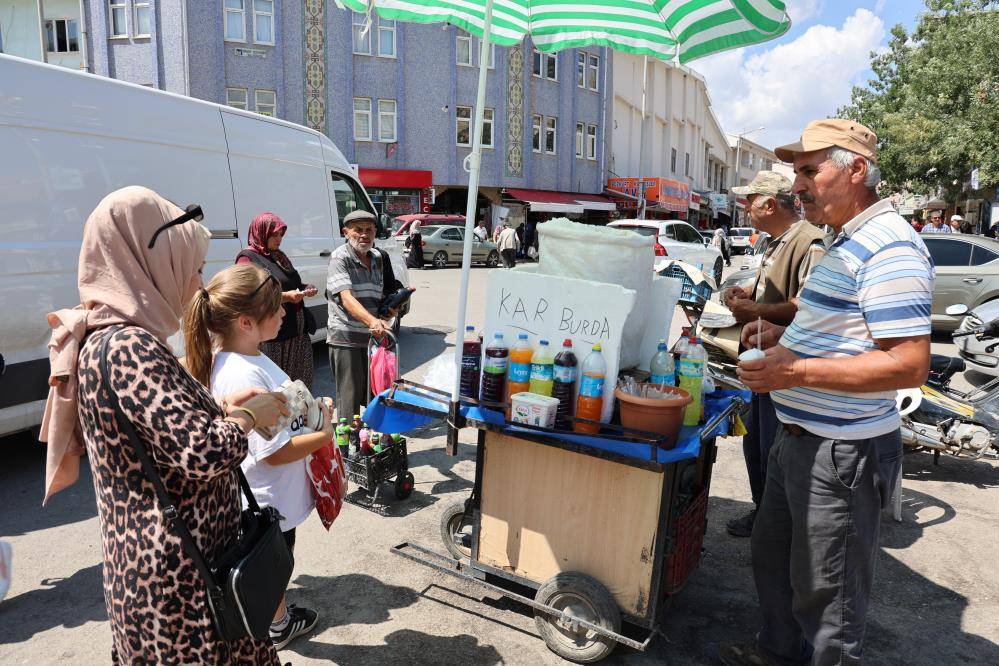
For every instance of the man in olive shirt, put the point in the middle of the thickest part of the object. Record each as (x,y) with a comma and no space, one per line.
(795,248)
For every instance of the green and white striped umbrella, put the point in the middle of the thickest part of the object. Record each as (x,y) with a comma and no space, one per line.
(666,29)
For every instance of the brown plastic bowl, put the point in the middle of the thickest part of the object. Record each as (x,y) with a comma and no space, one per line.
(662,416)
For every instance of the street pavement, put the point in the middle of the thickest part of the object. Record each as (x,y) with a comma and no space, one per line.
(935,600)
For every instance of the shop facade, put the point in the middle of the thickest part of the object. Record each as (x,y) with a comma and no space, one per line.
(398,191)
(664,199)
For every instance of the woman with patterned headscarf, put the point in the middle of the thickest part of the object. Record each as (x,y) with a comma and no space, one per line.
(292,348)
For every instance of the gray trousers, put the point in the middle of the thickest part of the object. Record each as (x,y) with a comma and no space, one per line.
(349,366)
(815,541)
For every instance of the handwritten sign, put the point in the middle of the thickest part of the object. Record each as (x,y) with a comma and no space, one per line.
(555,308)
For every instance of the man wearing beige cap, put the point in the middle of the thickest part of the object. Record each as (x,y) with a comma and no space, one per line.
(862,332)
(794,250)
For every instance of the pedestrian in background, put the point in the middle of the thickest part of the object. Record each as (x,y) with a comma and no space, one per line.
(861,333)
(720,241)
(291,348)
(480,232)
(414,241)
(936,224)
(140,264)
(508,244)
(354,288)
(960,225)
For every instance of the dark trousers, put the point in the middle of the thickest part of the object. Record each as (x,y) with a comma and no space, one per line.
(815,541)
(509,258)
(757,442)
(349,366)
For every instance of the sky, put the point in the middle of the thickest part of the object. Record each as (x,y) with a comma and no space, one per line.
(807,73)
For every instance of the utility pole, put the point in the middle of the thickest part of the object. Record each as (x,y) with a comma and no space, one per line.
(738,165)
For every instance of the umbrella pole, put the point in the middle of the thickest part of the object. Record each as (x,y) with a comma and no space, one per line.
(474,166)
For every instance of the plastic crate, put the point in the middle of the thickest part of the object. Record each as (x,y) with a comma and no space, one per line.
(691,293)
(369,471)
(687,537)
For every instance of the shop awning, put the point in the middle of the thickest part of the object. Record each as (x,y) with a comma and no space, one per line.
(547,201)
(403,179)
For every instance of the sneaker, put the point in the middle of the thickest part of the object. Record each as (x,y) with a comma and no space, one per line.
(742,527)
(302,621)
(745,655)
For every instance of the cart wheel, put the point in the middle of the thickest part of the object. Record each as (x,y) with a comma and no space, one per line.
(581,596)
(456,531)
(404,483)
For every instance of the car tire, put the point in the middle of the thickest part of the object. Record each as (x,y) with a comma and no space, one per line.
(440,259)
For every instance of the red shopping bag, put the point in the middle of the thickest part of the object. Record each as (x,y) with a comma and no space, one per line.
(329,482)
(383,367)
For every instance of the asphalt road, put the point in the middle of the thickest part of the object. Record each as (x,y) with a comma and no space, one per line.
(935,601)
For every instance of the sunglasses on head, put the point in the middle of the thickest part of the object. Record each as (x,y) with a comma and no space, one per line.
(261,285)
(193,212)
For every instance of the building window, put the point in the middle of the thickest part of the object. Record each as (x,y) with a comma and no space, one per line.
(465,50)
(580,131)
(117,16)
(536,133)
(672,160)
(263,21)
(591,142)
(236,98)
(463,128)
(62,36)
(686,164)
(362,119)
(235,20)
(545,65)
(592,73)
(386,120)
(551,130)
(265,102)
(362,39)
(386,38)
(581,69)
(142,19)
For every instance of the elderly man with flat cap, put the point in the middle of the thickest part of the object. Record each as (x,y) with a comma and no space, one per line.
(354,287)
(794,250)
(861,332)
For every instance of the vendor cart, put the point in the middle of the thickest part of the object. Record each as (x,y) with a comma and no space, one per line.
(603,528)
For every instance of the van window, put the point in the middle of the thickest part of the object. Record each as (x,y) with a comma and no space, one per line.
(349,197)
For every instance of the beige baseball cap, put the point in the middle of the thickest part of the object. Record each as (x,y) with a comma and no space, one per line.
(829,132)
(767,183)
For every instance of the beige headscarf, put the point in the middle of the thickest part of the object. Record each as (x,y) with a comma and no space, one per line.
(121,280)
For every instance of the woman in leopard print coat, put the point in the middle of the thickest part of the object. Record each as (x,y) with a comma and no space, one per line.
(156,601)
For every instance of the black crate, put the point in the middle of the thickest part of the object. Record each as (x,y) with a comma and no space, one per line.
(369,471)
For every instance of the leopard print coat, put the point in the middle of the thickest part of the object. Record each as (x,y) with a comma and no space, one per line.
(156,600)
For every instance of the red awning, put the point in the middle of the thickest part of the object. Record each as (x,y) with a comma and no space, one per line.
(547,201)
(396,178)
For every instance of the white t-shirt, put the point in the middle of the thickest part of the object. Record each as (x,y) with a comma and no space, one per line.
(285,487)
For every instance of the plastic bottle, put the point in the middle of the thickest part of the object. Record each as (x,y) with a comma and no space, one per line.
(365,438)
(591,391)
(471,361)
(542,370)
(376,442)
(707,388)
(662,368)
(519,376)
(355,433)
(343,436)
(679,349)
(691,371)
(494,369)
(564,387)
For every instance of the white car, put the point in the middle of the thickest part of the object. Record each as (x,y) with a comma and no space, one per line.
(740,239)
(971,349)
(678,240)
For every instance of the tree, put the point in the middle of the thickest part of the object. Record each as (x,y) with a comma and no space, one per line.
(934,99)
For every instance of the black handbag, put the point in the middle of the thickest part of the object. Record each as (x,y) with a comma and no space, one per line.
(246,582)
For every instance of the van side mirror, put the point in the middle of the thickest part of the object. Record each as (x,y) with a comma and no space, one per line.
(957,310)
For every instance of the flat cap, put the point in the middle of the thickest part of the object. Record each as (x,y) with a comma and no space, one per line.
(358,216)
(767,183)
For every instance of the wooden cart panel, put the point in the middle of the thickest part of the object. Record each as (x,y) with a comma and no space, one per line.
(545,510)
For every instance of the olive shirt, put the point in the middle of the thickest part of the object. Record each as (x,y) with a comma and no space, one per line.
(787,263)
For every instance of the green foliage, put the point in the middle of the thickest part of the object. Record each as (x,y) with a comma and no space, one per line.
(934,99)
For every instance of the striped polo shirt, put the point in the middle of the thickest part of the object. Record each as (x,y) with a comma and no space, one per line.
(346,271)
(875,282)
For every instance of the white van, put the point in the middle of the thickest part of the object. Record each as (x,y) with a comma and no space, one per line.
(68,138)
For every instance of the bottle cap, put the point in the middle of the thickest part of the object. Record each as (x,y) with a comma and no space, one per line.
(357,417)
(498,336)
(544,343)
(597,347)
(343,419)
(567,342)
(469,328)
(522,336)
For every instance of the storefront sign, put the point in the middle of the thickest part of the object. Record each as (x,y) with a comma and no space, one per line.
(668,194)
(695,201)
(719,202)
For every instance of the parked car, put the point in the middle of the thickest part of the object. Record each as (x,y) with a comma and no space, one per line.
(754,257)
(443,246)
(967,272)
(678,240)
(402,223)
(740,239)
(973,350)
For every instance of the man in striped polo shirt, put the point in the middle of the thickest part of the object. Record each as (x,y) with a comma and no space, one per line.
(354,287)
(861,332)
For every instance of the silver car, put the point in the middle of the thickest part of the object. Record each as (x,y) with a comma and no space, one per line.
(967,273)
(443,246)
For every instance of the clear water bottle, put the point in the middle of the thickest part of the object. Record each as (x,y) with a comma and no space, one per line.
(679,349)
(662,368)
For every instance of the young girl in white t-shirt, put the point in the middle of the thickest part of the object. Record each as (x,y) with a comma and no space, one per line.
(239,309)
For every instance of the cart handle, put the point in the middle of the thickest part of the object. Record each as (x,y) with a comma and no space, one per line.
(736,405)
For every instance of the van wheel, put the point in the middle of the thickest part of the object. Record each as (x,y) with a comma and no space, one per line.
(492,261)
(440,259)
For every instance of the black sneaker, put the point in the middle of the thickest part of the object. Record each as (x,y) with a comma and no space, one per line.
(742,527)
(302,621)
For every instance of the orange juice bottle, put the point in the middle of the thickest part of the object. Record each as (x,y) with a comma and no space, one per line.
(590,402)
(519,375)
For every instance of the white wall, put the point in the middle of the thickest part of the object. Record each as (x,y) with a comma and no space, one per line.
(19,28)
